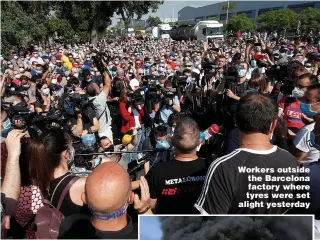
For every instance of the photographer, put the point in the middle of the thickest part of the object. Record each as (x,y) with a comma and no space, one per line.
(168,103)
(99,101)
(85,123)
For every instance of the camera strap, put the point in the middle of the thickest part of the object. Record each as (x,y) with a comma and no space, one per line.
(103,113)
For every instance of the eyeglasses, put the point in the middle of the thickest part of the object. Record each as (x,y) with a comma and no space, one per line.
(301,86)
(140,74)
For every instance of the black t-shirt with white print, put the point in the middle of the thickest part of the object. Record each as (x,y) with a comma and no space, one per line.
(177,185)
(225,189)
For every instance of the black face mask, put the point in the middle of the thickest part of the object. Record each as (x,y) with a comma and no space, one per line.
(109,149)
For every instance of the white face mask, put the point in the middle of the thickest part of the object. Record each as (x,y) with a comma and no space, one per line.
(297,92)
(46,91)
(15,57)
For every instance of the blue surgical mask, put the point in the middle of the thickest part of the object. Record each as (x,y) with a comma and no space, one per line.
(162,144)
(306,110)
(26,86)
(7,127)
(189,79)
(241,72)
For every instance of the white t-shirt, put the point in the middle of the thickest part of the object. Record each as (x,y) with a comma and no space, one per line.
(136,118)
(302,142)
(100,104)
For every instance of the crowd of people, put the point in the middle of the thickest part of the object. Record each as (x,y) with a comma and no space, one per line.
(104,133)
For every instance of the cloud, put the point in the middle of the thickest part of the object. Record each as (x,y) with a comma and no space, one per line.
(237,228)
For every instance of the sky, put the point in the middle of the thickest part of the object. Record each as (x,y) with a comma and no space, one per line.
(168,7)
(150,228)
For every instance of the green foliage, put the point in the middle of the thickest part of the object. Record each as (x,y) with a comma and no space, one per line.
(241,22)
(310,20)
(128,9)
(25,22)
(278,20)
(153,21)
(18,28)
(212,18)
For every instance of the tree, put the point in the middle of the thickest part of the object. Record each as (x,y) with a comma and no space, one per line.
(153,21)
(128,9)
(310,19)
(18,28)
(278,20)
(241,22)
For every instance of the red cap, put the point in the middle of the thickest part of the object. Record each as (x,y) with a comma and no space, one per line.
(214,129)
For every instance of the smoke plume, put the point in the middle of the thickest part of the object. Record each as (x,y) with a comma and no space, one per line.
(237,228)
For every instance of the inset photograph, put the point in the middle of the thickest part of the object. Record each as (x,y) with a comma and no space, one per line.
(284,227)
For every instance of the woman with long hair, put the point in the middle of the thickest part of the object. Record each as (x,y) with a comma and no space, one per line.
(49,157)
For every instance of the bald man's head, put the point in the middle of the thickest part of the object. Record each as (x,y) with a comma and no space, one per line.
(108,189)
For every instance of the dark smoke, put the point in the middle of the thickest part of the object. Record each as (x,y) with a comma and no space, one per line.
(237,228)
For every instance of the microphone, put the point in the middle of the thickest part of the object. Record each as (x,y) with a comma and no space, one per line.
(212,130)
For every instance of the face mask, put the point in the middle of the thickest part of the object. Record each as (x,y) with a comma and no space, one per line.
(161,69)
(28,58)
(26,86)
(162,144)
(308,69)
(39,71)
(109,149)
(36,55)
(15,57)
(189,80)
(88,59)
(7,127)
(46,91)
(11,66)
(306,110)
(241,72)
(253,63)
(296,92)
(116,63)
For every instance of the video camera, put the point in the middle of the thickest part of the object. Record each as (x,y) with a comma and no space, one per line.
(168,94)
(277,71)
(136,97)
(209,68)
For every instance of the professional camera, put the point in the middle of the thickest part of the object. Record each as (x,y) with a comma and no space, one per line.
(277,71)
(98,61)
(182,80)
(136,97)
(209,68)
(168,94)
(150,80)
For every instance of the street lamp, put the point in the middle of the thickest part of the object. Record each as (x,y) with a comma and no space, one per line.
(227,20)
(172,11)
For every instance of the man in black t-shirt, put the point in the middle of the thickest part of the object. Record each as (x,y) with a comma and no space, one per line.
(176,184)
(108,195)
(227,190)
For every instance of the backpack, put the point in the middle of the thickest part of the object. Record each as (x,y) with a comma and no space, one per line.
(49,218)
